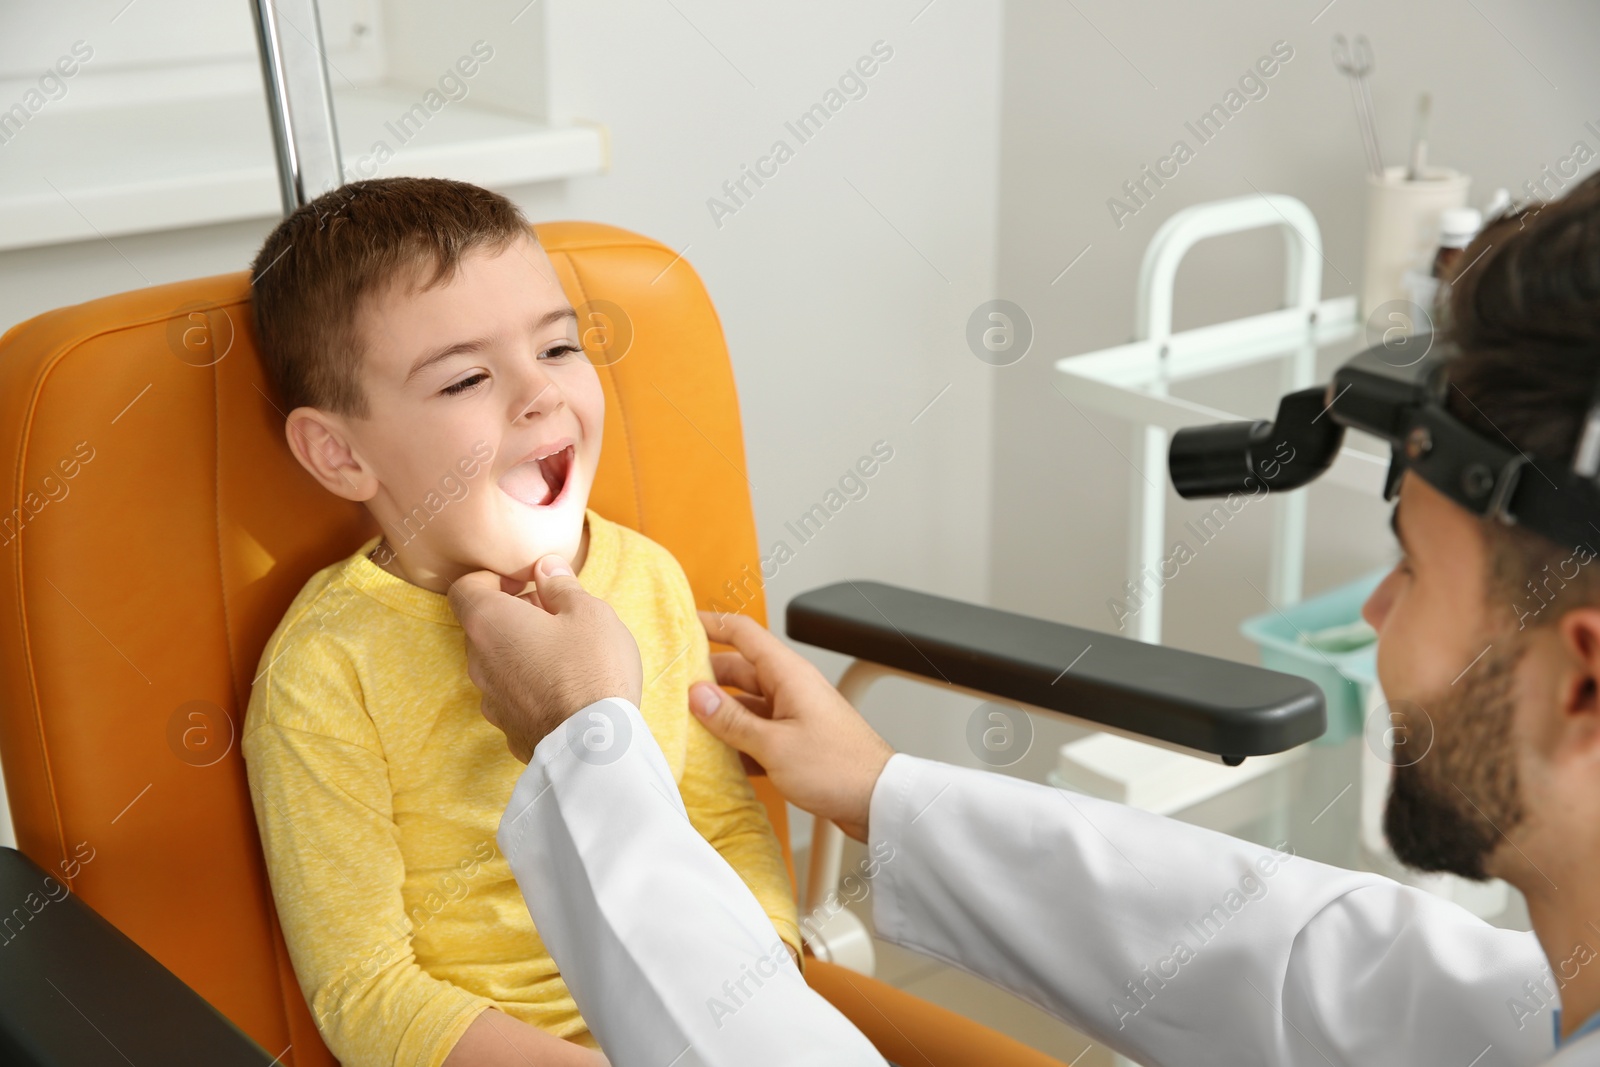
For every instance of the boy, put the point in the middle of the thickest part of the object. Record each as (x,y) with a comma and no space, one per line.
(428,356)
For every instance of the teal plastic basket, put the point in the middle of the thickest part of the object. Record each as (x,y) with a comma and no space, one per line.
(1343,676)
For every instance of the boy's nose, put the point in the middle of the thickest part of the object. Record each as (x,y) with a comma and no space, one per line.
(543,396)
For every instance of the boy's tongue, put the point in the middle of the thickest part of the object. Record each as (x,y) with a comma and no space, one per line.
(526,482)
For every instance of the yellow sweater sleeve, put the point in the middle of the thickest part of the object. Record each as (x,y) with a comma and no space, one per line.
(718,796)
(319,784)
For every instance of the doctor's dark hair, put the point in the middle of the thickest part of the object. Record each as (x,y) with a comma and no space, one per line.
(348,245)
(1524,310)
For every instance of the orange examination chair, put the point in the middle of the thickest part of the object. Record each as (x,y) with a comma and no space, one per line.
(153,529)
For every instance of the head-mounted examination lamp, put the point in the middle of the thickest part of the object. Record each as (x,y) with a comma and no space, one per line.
(1391,394)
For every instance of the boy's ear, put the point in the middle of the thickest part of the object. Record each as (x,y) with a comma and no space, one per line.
(322,445)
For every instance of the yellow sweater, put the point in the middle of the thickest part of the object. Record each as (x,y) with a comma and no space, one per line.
(378,785)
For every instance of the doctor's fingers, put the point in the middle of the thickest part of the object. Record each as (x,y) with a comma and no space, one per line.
(780,694)
(731,668)
(757,705)
(752,640)
(496,624)
(741,720)
(557,589)
(778,668)
(470,597)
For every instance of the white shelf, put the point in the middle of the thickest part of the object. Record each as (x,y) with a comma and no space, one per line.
(1155,779)
(85,173)
(1131,380)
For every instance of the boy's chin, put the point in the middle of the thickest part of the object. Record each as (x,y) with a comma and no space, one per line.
(518,548)
(531,554)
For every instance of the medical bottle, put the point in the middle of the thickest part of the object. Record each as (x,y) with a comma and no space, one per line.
(1457,227)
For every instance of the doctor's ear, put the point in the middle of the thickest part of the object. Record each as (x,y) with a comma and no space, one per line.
(323,446)
(1579,631)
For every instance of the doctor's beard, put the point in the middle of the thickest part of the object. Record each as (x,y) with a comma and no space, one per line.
(1447,811)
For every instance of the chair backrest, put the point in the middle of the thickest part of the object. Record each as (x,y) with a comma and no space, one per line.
(154,526)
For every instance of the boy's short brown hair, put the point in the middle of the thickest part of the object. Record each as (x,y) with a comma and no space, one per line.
(316,267)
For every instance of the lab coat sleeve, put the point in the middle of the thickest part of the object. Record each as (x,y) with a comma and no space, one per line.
(1176,945)
(669,956)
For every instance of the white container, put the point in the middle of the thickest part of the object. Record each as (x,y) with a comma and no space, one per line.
(1403,229)
(1165,782)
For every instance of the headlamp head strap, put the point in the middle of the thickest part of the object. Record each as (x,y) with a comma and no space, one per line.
(1485,474)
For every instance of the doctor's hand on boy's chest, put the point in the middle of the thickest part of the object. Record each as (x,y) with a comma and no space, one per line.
(538,664)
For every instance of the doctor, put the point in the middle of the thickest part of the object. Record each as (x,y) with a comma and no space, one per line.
(1169,943)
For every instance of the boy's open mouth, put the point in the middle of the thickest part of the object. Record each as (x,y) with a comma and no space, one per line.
(541,481)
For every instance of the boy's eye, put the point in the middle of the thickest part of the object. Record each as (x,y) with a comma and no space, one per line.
(464,384)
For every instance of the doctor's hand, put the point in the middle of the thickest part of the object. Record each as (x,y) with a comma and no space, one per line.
(816,748)
(539,663)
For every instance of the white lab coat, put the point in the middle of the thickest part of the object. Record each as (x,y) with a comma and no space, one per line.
(1171,944)
(670,958)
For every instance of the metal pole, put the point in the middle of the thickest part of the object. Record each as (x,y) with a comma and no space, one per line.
(299,100)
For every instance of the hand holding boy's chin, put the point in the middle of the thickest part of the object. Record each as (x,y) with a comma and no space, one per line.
(542,658)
